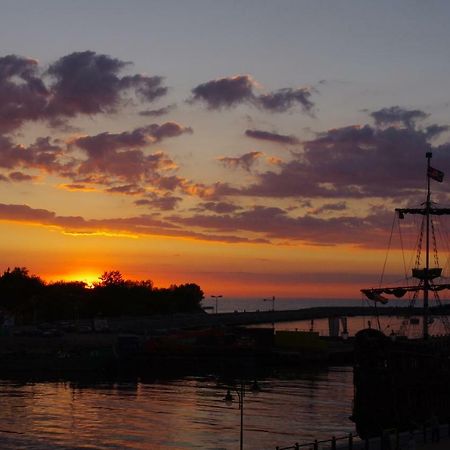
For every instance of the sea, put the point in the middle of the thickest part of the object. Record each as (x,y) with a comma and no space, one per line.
(188,412)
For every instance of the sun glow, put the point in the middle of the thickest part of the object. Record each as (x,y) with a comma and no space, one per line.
(86,277)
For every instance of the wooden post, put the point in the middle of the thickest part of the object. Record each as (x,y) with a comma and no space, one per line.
(333,443)
(297,446)
(316,445)
(350,441)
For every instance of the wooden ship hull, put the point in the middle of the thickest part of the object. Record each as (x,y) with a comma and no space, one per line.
(399,384)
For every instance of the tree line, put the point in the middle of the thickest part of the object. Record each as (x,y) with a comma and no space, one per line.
(30,299)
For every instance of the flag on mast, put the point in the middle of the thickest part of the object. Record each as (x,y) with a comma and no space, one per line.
(435,174)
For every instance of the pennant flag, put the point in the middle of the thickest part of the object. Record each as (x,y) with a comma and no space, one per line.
(435,174)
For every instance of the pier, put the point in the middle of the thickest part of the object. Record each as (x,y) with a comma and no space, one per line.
(180,321)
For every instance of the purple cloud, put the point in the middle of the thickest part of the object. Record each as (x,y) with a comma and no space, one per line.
(218,207)
(272,137)
(127,189)
(19,176)
(165,202)
(245,161)
(43,154)
(23,95)
(79,83)
(285,99)
(354,162)
(327,207)
(140,137)
(232,91)
(138,225)
(272,223)
(224,92)
(158,112)
(88,83)
(397,115)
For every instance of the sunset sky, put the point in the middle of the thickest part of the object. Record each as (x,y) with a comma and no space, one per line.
(253,147)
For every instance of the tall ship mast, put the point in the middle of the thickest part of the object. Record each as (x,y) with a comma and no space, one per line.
(426,275)
(399,382)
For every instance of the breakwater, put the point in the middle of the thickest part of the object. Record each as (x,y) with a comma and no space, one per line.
(180,321)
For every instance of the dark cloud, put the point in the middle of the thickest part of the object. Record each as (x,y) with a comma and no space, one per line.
(233,91)
(433,131)
(245,161)
(19,176)
(158,112)
(102,143)
(272,137)
(146,88)
(128,189)
(218,207)
(23,94)
(354,162)
(88,83)
(79,83)
(397,115)
(120,154)
(285,99)
(327,207)
(272,223)
(224,92)
(43,154)
(166,202)
(144,225)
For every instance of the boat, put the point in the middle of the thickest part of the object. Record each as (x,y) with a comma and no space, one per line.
(401,382)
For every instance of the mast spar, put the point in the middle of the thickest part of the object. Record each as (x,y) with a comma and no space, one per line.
(426,274)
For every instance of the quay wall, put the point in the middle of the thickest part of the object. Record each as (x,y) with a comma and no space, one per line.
(180,321)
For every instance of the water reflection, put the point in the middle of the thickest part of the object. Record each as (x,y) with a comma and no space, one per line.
(174,414)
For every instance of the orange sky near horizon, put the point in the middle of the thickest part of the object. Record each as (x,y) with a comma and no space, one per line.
(234,270)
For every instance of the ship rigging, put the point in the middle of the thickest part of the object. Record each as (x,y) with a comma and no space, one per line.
(427,274)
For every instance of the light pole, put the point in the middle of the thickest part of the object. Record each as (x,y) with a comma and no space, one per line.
(270,300)
(216,297)
(240,391)
(273,309)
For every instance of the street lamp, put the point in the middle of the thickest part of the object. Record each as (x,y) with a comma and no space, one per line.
(240,391)
(216,297)
(273,309)
(270,300)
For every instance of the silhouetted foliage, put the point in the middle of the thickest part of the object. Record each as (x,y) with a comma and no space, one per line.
(112,278)
(30,299)
(20,292)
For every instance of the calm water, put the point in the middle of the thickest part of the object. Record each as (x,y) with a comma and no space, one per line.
(399,325)
(188,413)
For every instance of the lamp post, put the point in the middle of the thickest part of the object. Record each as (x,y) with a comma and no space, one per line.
(240,391)
(273,309)
(216,297)
(271,300)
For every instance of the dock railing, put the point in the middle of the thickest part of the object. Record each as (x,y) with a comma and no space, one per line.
(390,440)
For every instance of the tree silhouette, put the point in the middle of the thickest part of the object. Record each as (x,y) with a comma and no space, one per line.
(111,278)
(30,299)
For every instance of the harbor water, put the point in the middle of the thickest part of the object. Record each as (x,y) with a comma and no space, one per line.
(185,413)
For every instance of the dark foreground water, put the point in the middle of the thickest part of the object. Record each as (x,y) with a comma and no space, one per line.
(187,413)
